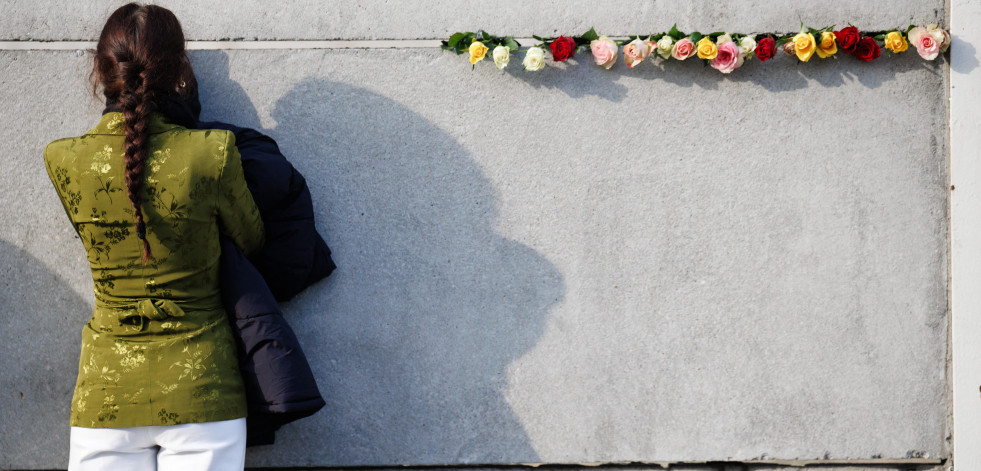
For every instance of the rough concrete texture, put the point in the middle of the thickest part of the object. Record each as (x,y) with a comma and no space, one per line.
(393,19)
(575,265)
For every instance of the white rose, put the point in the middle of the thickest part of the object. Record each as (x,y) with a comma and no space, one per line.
(748,45)
(664,46)
(940,36)
(534,59)
(722,39)
(502,54)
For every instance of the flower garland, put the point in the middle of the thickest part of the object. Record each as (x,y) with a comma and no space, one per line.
(725,52)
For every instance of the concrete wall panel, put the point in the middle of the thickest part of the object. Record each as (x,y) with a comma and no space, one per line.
(580,265)
(437,19)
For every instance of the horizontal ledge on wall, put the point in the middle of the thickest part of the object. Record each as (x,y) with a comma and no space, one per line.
(225,45)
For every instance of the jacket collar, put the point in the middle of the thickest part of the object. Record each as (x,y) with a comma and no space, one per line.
(112,123)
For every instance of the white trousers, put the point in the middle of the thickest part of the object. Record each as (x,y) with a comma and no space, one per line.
(208,446)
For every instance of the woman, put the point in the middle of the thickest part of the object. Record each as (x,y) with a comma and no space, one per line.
(158,385)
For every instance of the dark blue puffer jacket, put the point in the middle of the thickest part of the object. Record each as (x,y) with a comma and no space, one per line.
(294,256)
(279,385)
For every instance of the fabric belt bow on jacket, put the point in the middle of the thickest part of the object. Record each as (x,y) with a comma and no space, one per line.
(152,309)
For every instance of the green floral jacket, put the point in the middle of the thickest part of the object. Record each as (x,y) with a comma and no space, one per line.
(158,349)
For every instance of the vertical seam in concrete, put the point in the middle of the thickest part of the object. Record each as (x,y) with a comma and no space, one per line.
(949,354)
(965,232)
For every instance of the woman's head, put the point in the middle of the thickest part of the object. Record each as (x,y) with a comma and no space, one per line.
(141,45)
(140,58)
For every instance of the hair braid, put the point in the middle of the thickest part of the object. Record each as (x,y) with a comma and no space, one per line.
(137,103)
(141,58)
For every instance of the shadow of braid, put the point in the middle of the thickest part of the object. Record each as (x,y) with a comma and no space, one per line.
(137,103)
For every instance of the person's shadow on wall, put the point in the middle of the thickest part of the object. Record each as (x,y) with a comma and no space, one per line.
(40,329)
(412,336)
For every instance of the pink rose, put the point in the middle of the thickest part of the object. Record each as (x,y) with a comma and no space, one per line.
(683,49)
(604,51)
(730,57)
(926,44)
(635,52)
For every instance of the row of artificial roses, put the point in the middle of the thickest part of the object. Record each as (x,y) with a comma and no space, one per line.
(723,51)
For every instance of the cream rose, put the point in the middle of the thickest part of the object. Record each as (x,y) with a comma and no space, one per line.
(940,35)
(501,54)
(534,59)
(665,46)
(748,45)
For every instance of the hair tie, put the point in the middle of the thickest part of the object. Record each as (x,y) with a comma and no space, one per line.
(141,230)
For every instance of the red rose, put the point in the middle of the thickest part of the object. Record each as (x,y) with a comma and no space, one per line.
(562,48)
(867,49)
(848,39)
(766,48)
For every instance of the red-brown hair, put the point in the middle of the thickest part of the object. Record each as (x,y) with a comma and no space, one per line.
(140,58)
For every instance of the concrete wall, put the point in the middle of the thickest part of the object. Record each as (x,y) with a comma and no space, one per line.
(576,265)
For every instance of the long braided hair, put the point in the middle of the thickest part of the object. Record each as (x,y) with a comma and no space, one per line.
(140,58)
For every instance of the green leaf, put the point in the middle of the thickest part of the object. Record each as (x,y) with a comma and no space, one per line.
(590,35)
(695,37)
(511,44)
(675,34)
(455,39)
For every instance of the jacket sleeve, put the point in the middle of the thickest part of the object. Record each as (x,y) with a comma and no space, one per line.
(61,182)
(295,255)
(237,211)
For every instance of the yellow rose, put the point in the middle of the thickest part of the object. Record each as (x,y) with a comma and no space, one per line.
(804,46)
(827,47)
(707,49)
(477,52)
(895,42)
